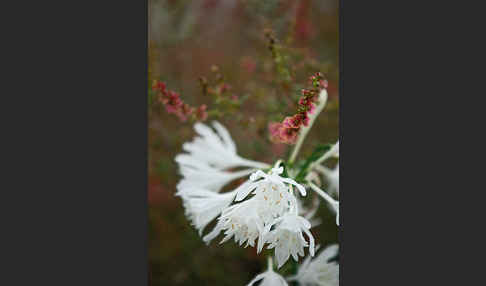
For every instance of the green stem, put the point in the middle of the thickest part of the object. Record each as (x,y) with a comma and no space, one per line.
(332,152)
(270,263)
(304,130)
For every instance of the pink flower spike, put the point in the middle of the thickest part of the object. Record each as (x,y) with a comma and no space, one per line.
(274,129)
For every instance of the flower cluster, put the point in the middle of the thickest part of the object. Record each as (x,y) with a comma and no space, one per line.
(204,171)
(174,104)
(271,215)
(265,206)
(288,130)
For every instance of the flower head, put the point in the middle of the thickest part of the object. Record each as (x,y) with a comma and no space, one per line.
(287,237)
(240,221)
(202,206)
(319,271)
(204,174)
(263,182)
(273,200)
(209,154)
(270,215)
(215,149)
(279,133)
(272,192)
(269,278)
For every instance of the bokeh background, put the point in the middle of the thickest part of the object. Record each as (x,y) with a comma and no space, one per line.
(228,41)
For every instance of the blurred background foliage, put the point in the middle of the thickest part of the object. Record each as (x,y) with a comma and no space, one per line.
(266,51)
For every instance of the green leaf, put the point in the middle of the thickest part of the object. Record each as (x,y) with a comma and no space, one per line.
(285,174)
(318,152)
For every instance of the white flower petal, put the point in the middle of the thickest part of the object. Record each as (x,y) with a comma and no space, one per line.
(203,206)
(328,253)
(270,278)
(258,277)
(319,271)
(208,179)
(299,186)
(311,242)
(216,150)
(224,134)
(282,254)
(287,238)
(244,190)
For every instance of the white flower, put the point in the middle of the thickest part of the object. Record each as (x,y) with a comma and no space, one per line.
(319,271)
(202,206)
(287,237)
(270,278)
(210,179)
(273,178)
(272,204)
(213,149)
(272,192)
(209,155)
(241,221)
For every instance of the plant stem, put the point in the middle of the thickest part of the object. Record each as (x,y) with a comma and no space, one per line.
(328,198)
(332,152)
(270,263)
(305,129)
(321,169)
(323,194)
(313,210)
(254,164)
